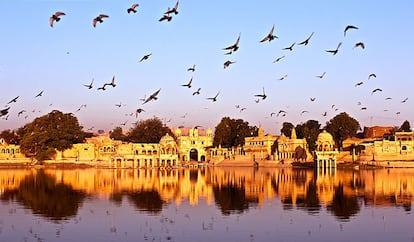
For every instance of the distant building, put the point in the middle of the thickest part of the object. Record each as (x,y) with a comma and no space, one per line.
(259,147)
(292,149)
(377,131)
(192,143)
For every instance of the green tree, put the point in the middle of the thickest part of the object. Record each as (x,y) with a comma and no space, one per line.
(287,129)
(231,132)
(46,134)
(10,136)
(148,131)
(405,127)
(117,134)
(341,127)
(310,131)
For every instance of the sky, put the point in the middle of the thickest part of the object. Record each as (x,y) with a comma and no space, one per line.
(59,60)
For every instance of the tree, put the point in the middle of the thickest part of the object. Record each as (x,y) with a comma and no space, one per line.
(46,134)
(148,131)
(117,134)
(341,127)
(310,131)
(10,136)
(287,129)
(405,127)
(231,132)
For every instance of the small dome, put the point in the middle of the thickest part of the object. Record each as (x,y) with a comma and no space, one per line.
(325,136)
(166,139)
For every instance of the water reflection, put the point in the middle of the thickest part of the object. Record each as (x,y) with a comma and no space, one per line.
(45,196)
(58,194)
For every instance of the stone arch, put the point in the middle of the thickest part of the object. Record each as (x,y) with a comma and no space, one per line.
(194,154)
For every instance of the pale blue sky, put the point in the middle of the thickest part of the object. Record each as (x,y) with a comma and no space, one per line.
(58,60)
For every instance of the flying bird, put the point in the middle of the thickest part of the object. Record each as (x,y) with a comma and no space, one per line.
(197,92)
(133,8)
(324,114)
(281,112)
(13,100)
(359,44)
(99,19)
(138,111)
(306,41)
(263,96)
(372,75)
(55,17)
(333,52)
(283,77)
(359,84)
(278,59)
(269,37)
(39,94)
(290,48)
(376,90)
(405,100)
(242,109)
(214,98)
(103,88)
(321,76)
(112,83)
(153,96)
(89,86)
(192,69)
(174,10)
(388,98)
(166,16)
(4,112)
(233,47)
(188,84)
(145,57)
(228,63)
(304,111)
(20,113)
(348,27)
(312,99)
(363,108)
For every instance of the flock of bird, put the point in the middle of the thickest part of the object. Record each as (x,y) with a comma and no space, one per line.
(229,51)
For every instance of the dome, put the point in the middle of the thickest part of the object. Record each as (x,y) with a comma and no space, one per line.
(325,137)
(166,139)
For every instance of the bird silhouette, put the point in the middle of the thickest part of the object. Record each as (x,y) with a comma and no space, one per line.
(39,94)
(405,100)
(153,96)
(335,51)
(388,98)
(242,109)
(112,83)
(13,100)
(234,47)
(324,114)
(145,57)
(188,84)
(192,69)
(283,77)
(321,76)
(372,75)
(133,8)
(138,111)
(263,95)
(103,88)
(228,63)
(281,112)
(290,48)
(20,113)
(312,99)
(90,85)
(174,10)
(363,108)
(348,27)
(269,37)
(99,19)
(4,112)
(214,99)
(306,41)
(376,90)
(55,17)
(359,44)
(166,16)
(278,59)
(304,111)
(197,92)
(359,84)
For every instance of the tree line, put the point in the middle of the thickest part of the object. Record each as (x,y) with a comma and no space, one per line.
(56,130)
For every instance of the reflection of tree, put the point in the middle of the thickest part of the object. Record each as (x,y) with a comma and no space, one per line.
(116,198)
(231,199)
(43,195)
(311,200)
(343,207)
(148,201)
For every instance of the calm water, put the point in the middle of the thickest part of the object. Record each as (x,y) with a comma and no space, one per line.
(215,204)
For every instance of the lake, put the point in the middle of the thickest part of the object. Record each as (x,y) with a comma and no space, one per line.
(209,204)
